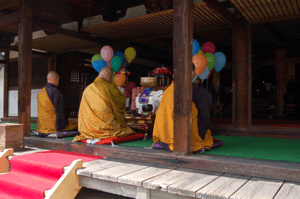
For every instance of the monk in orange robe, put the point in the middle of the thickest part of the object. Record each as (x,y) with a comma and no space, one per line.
(163,131)
(51,114)
(102,109)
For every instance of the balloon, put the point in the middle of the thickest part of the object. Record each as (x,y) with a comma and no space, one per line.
(200,52)
(208,47)
(209,74)
(116,63)
(107,53)
(199,62)
(204,73)
(121,55)
(98,65)
(220,61)
(195,47)
(120,79)
(210,58)
(96,57)
(125,64)
(130,54)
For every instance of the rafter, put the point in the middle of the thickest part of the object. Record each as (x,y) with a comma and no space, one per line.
(10,18)
(224,12)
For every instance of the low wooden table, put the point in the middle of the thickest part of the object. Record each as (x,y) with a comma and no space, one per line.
(141,123)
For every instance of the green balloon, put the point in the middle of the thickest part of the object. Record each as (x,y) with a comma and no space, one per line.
(116,63)
(96,57)
(211,60)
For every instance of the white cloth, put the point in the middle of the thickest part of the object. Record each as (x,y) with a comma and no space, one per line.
(122,91)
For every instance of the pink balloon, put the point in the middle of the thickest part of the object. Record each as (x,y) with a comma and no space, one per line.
(107,53)
(208,47)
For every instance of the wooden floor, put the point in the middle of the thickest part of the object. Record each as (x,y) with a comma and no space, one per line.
(145,181)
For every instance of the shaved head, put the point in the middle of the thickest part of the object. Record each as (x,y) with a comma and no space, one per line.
(53,78)
(106,74)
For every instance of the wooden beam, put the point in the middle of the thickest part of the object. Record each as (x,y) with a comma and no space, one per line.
(24,69)
(51,61)
(242,78)
(10,18)
(5,86)
(2,62)
(70,33)
(277,19)
(15,48)
(182,60)
(224,12)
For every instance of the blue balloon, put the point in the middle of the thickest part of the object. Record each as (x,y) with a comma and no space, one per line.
(220,61)
(204,73)
(98,65)
(196,47)
(121,55)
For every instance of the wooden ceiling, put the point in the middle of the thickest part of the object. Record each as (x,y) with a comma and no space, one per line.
(260,11)
(151,35)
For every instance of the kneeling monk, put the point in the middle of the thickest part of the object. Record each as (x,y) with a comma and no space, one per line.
(201,109)
(102,108)
(51,115)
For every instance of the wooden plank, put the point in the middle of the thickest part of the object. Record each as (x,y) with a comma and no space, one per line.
(189,186)
(223,187)
(142,193)
(67,186)
(137,178)
(108,186)
(289,191)
(182,59)
(5,86)
(162,182)
(112,174)
(258,188)
(97,165)
(155,194)
(24,69)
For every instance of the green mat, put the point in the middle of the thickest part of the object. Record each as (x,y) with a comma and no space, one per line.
(248,147)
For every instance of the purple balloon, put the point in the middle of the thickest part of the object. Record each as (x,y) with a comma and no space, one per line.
(125,64)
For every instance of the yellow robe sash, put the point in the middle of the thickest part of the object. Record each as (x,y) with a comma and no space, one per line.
(164,124)
(101,112)
(47,117)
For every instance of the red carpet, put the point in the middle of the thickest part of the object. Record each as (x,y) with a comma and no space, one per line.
(129,138)
(32,174)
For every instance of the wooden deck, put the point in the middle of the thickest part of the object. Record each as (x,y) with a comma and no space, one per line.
(145,181)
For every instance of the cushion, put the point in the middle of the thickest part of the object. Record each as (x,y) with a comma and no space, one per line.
(129,138)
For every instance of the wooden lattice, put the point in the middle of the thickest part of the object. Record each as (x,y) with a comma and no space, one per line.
(71,70)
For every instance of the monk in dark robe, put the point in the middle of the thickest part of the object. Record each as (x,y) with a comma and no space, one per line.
(51,114)
(201,109)
(101,111)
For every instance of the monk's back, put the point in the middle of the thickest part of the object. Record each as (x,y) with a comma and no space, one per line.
(101,112)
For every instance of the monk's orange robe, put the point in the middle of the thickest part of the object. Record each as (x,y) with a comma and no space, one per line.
(101,112)
(164,124)
(47,117)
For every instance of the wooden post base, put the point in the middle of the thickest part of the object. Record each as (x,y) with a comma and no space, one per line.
(4,162)
(67,186)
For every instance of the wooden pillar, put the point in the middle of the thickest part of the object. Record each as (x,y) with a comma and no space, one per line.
(182,60)
(5,87)
(281,61)
(216,81)
(242,78)
(24,66)
(51,61)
